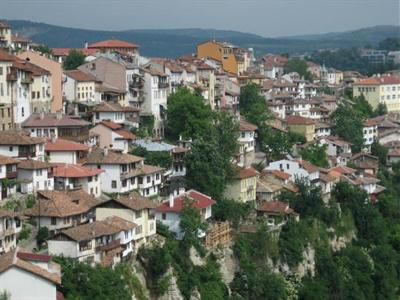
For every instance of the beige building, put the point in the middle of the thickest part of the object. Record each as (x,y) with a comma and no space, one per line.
(384,89)
(79,86)
(134,208)
(243,187)
(301,125)
(5,35)
(55,78)
(6,62)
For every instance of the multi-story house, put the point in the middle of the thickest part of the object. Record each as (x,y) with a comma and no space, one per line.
(243,186)
(134,208)
(35,175)
(205,81)
(370,132)
(114,112)
(8,174)
(122,47)
(124,172)
(337,148)
(57,125)
(5,35)
(10,225)
(55,80)
(68,176)
(41,91)
(169,212)
(19,144)
(78,86)
(301,125)
(6,118)
(41,277)
(298,169)
(380,89)
(112,134)
(58,210)
(156,89)
(105,242)
(246,141)
(64,151)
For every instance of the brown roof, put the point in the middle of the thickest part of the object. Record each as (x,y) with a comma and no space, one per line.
(4,56)
(20,39)
(113,44)
(244,173)
(280,174)
(74,171)
(66,51)
(51,120)
(6,213)
(148,169)
(246,126)
(298,120)
(110,124)
(113,106)
(78,75)
(275,207)
(62,203)
(126,134)
(4,24)
(6,160)
(11,259)
(98,156)
(306,165)
(379,80)
(65,145)
(11,137)
(108,226)
(30,164)
(133,201)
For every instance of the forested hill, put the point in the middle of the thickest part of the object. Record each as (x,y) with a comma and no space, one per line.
(175,42)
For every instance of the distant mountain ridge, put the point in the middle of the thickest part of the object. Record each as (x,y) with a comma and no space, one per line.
(175,42)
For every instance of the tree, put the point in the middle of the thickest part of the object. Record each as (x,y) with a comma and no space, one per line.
(188,115)
(191,224)
(74,59)
(390,44)
(316,154)
(349,126)
(299,66)
(379,151)
(43,49)
(381,109)
(155,158)
(253,105)
(42,235)
(230,210)
(362,106)
(275,144)
(206,168)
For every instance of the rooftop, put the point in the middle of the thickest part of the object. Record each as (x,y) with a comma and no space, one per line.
(65,145)
(74,171)
(112,44)
(200,201)
(53,120)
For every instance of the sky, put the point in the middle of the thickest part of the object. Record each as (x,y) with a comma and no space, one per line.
(269,18)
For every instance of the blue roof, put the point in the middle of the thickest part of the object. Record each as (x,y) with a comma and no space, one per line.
(154,146)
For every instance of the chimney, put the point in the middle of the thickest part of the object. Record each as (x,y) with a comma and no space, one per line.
(171,200)
(86,44)
(59,115)
(53,138)
(105,151)
(42,115)
(181,190)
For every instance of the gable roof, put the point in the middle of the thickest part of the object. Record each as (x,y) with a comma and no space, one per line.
(275,207)
(246,126)
(74,171)
(113,107)
(244,173)
(12,259)
(133,201)
(12,137)
(298,120)
(53,120)
(6,160)
(62,203)
(99,156)
(112,43)
(200,201)
(65,145)
(80,76)
(30,164)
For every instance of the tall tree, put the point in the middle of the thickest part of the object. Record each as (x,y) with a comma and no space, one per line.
(253,105)
(316,154)
(188,115)
(299,66)
(74,59)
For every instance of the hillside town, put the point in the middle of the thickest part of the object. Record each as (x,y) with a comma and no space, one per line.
(108,156)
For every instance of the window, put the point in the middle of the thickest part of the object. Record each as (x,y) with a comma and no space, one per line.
(140,180)
(164,216)
(133,180)
(113,184)
(148,179)
(11,148)
(138,214)
(97,116)
(243,134)
(139,229)
(124,183)
(53,221)
(1,70)
(33,95)
(157,176)
(39,172)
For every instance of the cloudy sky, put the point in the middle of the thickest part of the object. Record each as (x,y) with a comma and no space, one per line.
(269,18)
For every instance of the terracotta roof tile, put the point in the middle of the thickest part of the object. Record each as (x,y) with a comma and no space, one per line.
(80,76)
(52,120)
(99,156)
(74,171)
(65,145)
(298,120)
(30,164)
(246,126)
(11,137)
(275,207)
(200,201)
(6,160)
(112,44)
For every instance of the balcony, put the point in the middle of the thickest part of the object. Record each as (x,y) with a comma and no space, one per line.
(108,246)
(27,80)
(135,84)
(163,85)
(12,76)
(11,175)
(27,154)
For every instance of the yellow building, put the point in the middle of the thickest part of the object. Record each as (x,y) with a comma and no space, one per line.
(384,89)
(134,208)
(301,125)
(243,188)
(233,59)
(5,34)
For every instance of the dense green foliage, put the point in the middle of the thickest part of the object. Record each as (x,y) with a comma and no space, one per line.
(74,60)
(155,158)
(81,281)
(315,154)
(253,105)
(231,210)
(380,151)
(390,44)
(299,66)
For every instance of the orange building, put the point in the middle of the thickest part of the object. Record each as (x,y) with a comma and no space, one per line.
(233,59)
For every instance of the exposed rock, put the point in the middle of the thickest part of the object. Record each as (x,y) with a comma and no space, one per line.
(308,263)
(340,242)
(196,259)
(195,295)
(228,264)
(173,292)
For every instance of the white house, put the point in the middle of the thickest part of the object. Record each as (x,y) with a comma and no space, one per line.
(125,172)
(68,176)
(370,132)
(298,169)
(169,211)
(246,139)
(78,86)
(58,210)
(106,241)
(10,225)
(8,170)
(35,175)
(64,151)
(29,276)
(19,144)
(338,148)
(114,112)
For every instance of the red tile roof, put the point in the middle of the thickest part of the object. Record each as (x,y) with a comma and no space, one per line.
(247,173)
(4,56)
(51,120)
(246,126)
(65,51)
(112,44)
(379,80)
(126,135)
(275,207)
(343,170)
(33,256)
(110,124)
(65,145)
(298,120)
(78,75)
(370,122)
(281,174)
(74,171)
(200,201)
